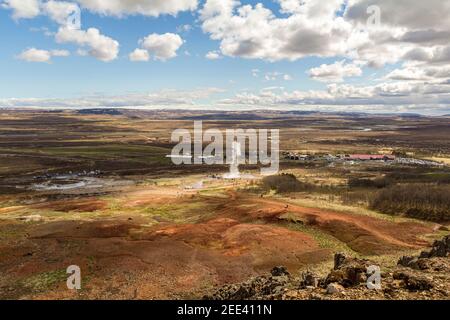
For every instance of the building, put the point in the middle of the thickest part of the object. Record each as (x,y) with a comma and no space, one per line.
(370,157)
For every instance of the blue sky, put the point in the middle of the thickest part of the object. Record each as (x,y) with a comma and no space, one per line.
(76,75)
(274,54)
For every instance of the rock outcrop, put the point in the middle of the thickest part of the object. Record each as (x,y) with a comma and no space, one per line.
(423,277)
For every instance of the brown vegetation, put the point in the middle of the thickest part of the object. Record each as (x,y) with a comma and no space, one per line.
(285,183)
(423,201)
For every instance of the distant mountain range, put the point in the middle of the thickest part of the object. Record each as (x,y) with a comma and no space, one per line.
(112,112)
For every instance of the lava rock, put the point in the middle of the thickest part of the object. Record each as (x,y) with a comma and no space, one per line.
(309,279)
(413,282)
(279,271)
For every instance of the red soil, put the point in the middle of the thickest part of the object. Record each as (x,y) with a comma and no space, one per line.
(123,259)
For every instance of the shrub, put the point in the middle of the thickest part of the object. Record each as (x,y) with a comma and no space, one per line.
(369,183)
(423,201)
(285,183)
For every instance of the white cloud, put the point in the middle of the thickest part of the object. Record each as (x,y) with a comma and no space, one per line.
(99,46)
(274,76)
(152,100)
(335,72)
(184,28)
(23,8)
(420,15)
(37,55)
(139,55)
(152,8)
(213,55)
(313,28)
(59,11)
(400,96)
(159,46)
(425,73)
(271,76)
(256,32)
(60,53)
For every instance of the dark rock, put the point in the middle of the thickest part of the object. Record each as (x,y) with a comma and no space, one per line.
(413,282)
(335,276)
(309,279)
(348,272)
(406,261)
(279,271)
(440,248)
(339,259)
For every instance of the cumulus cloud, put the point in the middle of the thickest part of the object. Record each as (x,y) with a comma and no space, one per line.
(37,55)
(139,55)
(159,46)
(23,8)
(59,11)
(152,8)
(256,32)
(213,55)
(335,72)
(313,28)
(420,15)
(99,46)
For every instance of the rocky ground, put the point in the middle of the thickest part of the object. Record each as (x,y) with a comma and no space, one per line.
(423,277)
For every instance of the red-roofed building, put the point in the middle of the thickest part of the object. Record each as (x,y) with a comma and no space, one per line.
(368,157)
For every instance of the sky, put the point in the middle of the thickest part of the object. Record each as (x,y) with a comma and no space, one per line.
(336,55)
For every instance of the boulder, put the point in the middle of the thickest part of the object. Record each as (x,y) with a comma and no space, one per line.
(279,271)
(309,279)
(339,259)
(440,248)
(334,288)
(348,272)
(413,282)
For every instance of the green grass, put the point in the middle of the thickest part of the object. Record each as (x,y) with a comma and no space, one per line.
(184,213)
(44,281)
(12,231)
(323,239)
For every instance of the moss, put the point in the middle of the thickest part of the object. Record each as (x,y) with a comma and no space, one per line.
(323,239)
(45,281)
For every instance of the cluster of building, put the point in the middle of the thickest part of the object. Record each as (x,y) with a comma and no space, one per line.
(344,157)
(419,162)
(354,158)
